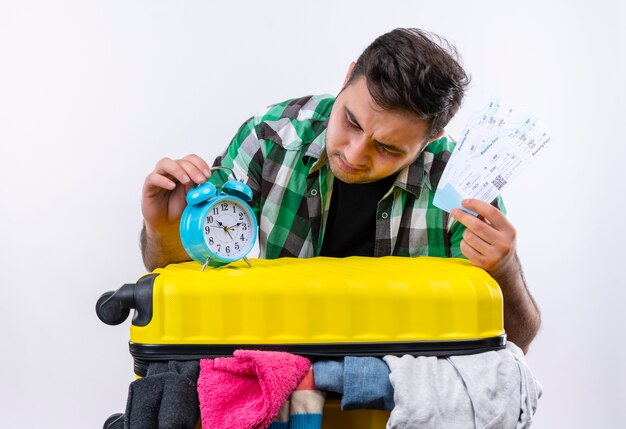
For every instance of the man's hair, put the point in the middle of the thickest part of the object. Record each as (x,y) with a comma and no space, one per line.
(414,71)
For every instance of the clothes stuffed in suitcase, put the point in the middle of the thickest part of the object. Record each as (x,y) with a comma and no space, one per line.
(318,308)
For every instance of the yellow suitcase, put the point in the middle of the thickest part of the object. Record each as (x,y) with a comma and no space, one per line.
(318,307)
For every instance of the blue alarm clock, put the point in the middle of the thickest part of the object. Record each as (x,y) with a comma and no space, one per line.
(218,226)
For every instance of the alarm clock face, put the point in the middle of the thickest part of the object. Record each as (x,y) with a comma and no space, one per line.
(229,229)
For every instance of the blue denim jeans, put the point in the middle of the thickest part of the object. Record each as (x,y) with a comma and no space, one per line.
(362,381)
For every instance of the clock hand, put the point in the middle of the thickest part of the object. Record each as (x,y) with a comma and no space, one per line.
(224,227)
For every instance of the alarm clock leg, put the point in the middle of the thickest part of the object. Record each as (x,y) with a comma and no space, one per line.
(245,258)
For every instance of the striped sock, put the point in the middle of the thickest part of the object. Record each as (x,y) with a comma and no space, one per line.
(303,409)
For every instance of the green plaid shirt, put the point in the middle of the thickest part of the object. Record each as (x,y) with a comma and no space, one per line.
(280,153)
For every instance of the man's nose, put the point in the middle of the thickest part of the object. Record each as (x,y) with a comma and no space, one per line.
(356,152)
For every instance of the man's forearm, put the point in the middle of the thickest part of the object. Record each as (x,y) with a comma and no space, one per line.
(160,250)
(521,315)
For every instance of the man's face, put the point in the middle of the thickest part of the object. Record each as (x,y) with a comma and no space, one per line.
(365,143)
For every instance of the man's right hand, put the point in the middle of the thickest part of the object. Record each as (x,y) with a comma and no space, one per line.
(163,194)
(162,204)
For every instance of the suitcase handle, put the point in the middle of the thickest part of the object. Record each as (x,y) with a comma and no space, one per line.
(113,307)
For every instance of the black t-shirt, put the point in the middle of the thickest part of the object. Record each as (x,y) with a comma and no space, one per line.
(351,224)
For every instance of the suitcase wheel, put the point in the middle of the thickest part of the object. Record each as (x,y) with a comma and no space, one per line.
(111,311)
(116,421)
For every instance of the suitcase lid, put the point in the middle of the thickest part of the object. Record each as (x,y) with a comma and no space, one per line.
(323,301)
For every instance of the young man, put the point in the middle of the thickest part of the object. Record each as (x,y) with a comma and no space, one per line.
(355,174)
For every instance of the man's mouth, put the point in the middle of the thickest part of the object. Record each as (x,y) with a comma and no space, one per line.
(347,167)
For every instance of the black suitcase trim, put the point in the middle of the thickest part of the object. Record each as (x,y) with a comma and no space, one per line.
(143,354)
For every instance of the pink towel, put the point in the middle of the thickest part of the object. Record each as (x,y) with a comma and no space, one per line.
(247,390)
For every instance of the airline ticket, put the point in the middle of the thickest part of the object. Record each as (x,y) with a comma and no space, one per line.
(496,145)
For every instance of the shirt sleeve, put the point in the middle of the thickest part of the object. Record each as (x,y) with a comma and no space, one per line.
(245,157)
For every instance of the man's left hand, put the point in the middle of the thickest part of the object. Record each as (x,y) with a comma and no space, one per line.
(489,240)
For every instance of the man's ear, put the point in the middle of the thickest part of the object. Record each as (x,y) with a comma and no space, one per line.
(436,137)
(345,82)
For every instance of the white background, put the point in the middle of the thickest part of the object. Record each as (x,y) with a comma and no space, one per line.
(92,94)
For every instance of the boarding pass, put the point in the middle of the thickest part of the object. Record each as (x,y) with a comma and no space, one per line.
(495,146)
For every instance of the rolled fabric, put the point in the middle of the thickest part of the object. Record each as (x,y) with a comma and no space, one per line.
(247,390)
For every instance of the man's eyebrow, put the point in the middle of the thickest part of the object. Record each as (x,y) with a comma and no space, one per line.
(352,118)
(386,145)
